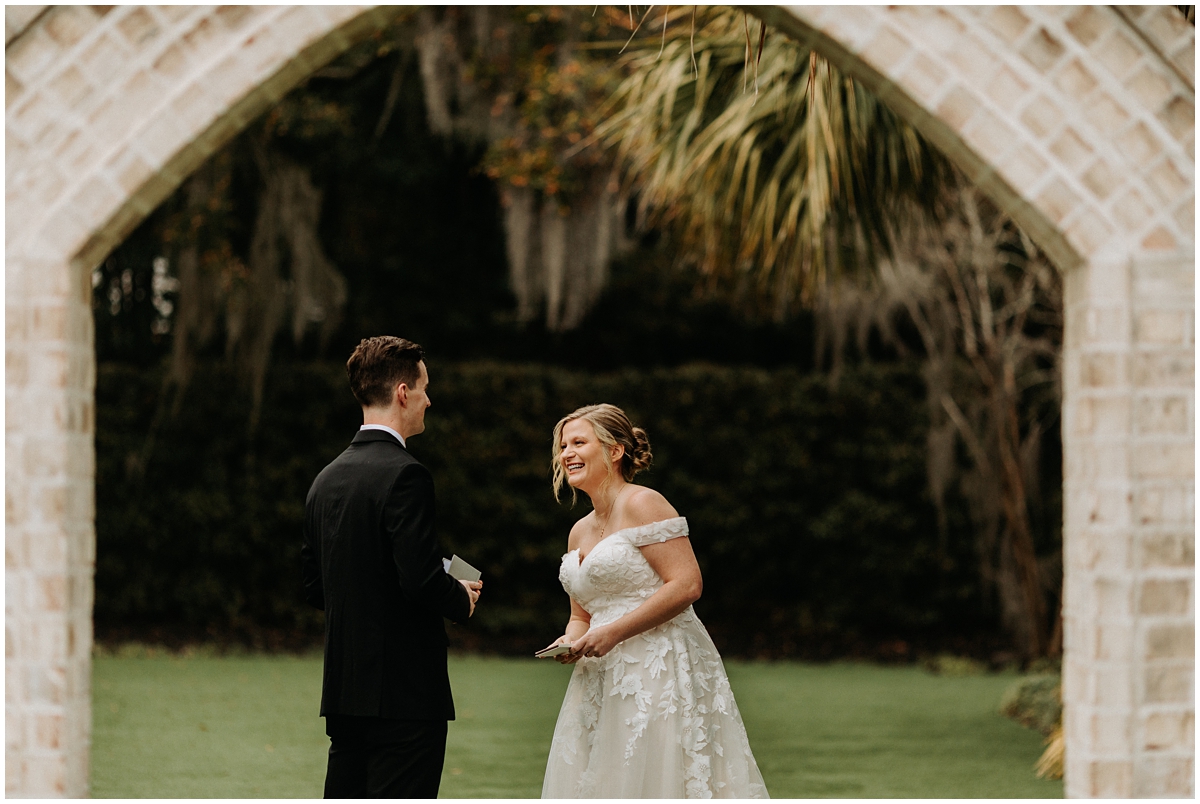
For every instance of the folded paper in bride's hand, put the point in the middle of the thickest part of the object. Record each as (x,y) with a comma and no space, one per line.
(460,570)
(553,650)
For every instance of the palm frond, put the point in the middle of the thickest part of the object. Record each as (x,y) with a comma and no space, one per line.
(790,181)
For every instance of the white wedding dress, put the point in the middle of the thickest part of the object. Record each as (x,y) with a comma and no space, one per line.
(655,717)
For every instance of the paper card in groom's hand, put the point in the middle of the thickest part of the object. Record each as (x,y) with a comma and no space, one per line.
(460,570)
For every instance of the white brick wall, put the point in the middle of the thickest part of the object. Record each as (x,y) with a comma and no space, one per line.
(107,112)
(1130,557)
(1079,121)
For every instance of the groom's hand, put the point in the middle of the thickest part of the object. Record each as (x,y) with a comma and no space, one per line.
(474,589)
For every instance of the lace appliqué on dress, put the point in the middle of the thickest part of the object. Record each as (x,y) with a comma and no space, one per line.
(656,532)
(655,717)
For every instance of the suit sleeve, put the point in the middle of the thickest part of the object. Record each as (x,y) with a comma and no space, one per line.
(408,520)
(310,561)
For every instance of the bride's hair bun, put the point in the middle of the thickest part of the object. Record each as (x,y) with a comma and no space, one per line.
(640,456)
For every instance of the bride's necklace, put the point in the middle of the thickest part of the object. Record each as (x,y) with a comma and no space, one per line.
(608,516)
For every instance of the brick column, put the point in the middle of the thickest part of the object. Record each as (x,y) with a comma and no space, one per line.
(49,543)
(1163,468)
(109,108)
(1128,537)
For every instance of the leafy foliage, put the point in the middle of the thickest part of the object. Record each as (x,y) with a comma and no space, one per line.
(987,308)
(775,169)
(790,184)
(1035,702)
(553,92)
(773,178)
(808,507)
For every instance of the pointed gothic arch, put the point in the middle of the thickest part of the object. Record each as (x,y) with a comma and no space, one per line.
(1078,121)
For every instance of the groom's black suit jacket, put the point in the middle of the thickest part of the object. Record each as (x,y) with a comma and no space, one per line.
(372,563)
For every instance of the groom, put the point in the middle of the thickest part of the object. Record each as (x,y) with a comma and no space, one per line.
(373,565)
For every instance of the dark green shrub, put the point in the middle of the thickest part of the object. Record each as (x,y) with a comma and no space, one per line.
(1035,702)
(807,504)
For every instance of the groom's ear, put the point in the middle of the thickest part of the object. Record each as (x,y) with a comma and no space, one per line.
(400,394)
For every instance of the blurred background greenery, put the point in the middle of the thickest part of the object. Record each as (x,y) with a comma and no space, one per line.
(806,503)
(846,362)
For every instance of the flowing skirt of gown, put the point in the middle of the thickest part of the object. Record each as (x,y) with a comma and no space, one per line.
(655,717)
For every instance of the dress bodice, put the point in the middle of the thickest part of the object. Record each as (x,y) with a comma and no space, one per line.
(614,578)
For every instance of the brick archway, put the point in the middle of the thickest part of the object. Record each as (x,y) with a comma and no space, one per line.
(1079,121)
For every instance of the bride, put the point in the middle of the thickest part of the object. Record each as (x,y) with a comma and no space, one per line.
(648,712)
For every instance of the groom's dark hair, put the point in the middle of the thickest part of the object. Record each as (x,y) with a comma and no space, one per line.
(381,363)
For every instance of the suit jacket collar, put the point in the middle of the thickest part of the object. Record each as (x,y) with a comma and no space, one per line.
(364,436)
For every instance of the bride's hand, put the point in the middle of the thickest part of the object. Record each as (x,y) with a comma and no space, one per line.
(562,658)
(596,642)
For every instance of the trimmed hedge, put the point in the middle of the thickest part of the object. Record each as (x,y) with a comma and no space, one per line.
(807,504)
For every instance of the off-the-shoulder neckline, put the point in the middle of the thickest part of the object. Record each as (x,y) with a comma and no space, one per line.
(625,530)
(641,527)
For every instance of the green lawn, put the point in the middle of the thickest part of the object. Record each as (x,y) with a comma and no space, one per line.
(247,727)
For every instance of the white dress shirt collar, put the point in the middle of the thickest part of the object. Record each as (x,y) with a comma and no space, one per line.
(386,429)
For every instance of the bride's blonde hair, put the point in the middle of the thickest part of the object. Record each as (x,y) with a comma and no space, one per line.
(613,429)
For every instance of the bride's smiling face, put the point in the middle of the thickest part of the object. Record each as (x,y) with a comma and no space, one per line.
(582,455)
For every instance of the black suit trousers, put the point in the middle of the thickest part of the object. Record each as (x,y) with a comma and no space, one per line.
(376,757)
